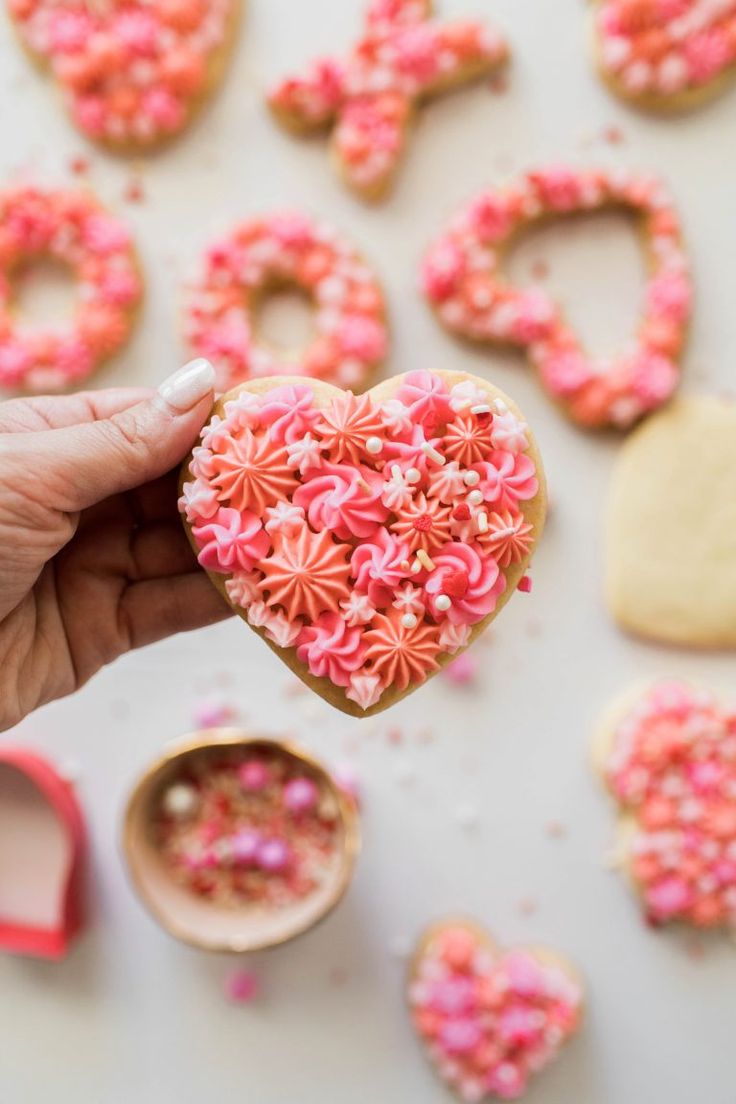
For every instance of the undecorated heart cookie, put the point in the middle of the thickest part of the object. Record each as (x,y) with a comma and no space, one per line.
(464,281)
(671,527)
(131,75)
(668,757)
(366,539)
(666,55)
(490,1019)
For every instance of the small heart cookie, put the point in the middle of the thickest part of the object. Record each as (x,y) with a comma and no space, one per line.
(666,55)
(671,527)
(490,1019)
(668,758)
(366,539)
(131,75)
(463,279)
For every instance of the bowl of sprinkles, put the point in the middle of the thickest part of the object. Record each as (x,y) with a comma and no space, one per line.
(239,843)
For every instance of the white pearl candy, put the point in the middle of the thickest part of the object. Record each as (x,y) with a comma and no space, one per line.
(475,498)
(409,621)
(442,602)
(180,800)
(413,475)
(471,478)
(374,445)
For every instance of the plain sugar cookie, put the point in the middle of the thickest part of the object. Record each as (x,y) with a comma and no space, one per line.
(671,527)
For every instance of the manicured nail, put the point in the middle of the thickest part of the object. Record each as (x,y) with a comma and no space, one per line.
(184,389)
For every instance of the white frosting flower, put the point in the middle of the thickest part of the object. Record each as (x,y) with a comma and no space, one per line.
(397,491)
(304,453)
(283,632)
(448,483)
(364,690)
(244,412)
(198,500)
(409,600)
(259,615)
(357,609)
(396,417)
(509,433)
(466,394)
(284,518)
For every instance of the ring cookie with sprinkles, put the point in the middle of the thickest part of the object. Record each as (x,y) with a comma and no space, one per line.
(488,1019)
(668,757)
(370,98)
(132,75)
(275,252)
(463,280)
(70,227)
(366,539)
(666,55)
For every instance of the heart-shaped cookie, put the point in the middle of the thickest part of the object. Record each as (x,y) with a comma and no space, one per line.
(464,282)
(367,539)
(131,75)
(668,757)
(671,526)
(490,1019)
(666,55)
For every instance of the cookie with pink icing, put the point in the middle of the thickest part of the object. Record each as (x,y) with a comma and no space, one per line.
(369,98)
(490,1021)
(668,757)
(464,282)
(666,54)
(72,228)
(339,528)
(287,250)
(132,74)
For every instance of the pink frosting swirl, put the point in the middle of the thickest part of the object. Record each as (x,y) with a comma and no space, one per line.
(427,397)
(507,478)
(231,541)
(344,499)
(289,412)
(376,567)
(470,580)
(331,649)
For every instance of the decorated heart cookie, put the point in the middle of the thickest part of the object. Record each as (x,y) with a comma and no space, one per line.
(131,74)
(490,1019)
(371,96)
(367,539)
(666,54)
(464,283)
(671,527)
(669,759)
(72,228)
(287,250)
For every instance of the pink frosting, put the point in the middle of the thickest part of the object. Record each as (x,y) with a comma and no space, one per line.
(331,649)
(472,582)
(507,478)
(289,412)
(333,498)
(233,540)
(376,567)
(427,398)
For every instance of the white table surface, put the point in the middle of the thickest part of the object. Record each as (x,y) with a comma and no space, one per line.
(134,1016)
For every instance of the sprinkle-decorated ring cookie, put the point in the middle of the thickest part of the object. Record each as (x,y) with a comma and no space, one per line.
(131,75)
(71,227)
(666,54)
(367,539)
(490,1020)
(669,759)
(370,97)
(463,280)
(282,251)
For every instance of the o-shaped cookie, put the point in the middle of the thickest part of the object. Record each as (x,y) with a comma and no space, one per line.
(131,75)
(70,227)
(268,254)
(463,280)
(666,54)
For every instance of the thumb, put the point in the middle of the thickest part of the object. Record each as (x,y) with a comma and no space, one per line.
(84,464)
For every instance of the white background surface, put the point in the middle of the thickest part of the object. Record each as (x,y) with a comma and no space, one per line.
(134,1016)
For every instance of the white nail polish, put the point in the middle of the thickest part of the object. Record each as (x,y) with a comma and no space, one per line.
(184,389)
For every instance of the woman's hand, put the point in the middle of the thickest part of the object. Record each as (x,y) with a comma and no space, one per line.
(93,556)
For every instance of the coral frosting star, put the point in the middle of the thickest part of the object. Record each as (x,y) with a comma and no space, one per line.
(252,474)
(306,574)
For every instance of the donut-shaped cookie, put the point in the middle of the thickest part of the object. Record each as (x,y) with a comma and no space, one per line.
(668,757)
(463,280)
(71,227)
(268,254)
(371,96)
(666,54)
(133,74)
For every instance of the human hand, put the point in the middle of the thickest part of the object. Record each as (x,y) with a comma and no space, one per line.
(93,557)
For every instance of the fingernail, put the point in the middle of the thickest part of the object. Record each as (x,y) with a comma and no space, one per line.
(184,389)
